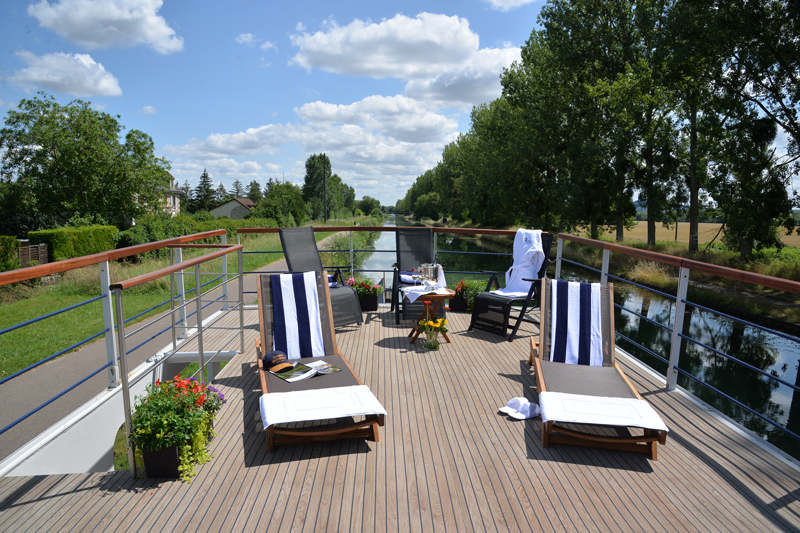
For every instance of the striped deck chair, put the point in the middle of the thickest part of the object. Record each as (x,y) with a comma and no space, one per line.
(295,317)
(578,379)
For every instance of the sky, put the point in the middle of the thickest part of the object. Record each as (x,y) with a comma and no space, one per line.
(249,90)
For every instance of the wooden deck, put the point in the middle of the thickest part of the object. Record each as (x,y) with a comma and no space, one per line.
(447,461)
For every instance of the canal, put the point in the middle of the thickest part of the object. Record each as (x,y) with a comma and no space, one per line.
(771,353)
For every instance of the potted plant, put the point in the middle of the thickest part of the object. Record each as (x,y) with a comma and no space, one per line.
(171,426)
(458,302)
(432,326)
(367,291)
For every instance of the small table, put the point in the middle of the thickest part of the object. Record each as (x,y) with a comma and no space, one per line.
(437,300)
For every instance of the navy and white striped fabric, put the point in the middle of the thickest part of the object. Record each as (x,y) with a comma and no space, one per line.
(575,327)
(297,330)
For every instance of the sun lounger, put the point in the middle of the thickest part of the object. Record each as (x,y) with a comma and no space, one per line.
(333,398)
(578,379)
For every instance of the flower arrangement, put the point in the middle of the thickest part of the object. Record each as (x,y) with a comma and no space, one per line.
(432,327)
(177,413)
(365,287)
(468,289)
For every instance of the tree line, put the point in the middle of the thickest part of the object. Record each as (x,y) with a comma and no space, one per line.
(676,102)
(63,165)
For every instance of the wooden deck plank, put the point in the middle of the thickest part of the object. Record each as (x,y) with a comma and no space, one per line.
(446,461)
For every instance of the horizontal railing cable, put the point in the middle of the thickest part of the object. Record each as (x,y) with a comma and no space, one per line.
(54,313)
(627,310)
(740,404)
(743,363)
(581,265)
(648,350)
(745,322)
(50,358)
(54,398)
(664,294)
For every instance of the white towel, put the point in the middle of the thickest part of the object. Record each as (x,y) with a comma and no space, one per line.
(297,330)
(528,258)
(575,327)
(579,409)
(319,404)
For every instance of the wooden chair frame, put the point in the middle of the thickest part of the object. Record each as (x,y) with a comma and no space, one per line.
(552,432)
(283,436)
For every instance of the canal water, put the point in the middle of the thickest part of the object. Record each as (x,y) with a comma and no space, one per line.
(770,353)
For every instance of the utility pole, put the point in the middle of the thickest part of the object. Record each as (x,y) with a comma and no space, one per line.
(324,189)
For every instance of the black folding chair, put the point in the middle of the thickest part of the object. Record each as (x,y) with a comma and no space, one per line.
(414,247)
(492,312)
(302,255)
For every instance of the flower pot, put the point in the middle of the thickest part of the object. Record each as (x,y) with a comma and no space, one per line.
(458,304)
(369,302)
(432,340)
(162,463)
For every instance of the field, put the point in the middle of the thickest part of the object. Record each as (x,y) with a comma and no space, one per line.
(706,232)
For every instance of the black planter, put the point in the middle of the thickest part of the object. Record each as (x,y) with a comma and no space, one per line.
(369,302)
(162,463)
(458,304)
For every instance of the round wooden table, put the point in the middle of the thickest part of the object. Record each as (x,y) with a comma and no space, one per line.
(436,300)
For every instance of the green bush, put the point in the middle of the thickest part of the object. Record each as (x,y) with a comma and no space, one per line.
(66,243)
(9,259)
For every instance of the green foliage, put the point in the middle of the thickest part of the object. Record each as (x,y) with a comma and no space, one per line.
(70,158)
(340,196)
(203,198)
(365,286)
(66,243)
(367,204)
(282,203)
(468,289)
(9,247)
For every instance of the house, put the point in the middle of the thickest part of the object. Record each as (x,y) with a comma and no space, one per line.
(234,209)
(171,198)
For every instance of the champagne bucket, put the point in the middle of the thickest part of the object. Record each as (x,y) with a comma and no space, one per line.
(430,271)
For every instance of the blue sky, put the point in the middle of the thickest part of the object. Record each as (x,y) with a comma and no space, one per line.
(249,90)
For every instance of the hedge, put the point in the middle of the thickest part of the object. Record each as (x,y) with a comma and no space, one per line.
(66,243)
(9,259)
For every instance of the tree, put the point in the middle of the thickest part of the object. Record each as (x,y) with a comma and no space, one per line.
(204,193)
(69,160)
(321,187)
(284,204)
(238,190)
(221,194)
(187,191)
(254,192)
(367,204)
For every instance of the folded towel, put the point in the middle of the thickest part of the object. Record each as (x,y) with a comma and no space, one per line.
(575,328)
(319,404)
(297,327)
(579,409)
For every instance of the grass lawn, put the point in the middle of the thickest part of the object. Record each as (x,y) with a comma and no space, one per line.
(706,231)
(19,303)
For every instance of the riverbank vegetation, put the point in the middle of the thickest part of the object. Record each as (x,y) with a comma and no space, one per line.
(26,301)
(676,104)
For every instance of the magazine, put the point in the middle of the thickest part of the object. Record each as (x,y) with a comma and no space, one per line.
(300,371)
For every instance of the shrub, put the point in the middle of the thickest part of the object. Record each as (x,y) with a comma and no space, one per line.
(66,243)
(9,247)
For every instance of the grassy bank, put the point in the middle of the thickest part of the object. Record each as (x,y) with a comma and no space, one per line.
(22,302)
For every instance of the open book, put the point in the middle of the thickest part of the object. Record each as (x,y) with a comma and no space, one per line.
(301,371)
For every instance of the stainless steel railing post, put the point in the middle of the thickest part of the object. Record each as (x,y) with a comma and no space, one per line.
(199,306)
(677,329)
(604,268)
(123,371)
(241,298)
(558,257)
(172,299)
(351,253)
(224,240)
(108,323)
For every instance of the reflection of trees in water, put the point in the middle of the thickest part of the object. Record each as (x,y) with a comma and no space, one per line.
(750,345)
(471,263)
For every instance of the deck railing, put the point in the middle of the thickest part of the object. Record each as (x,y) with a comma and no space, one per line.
(109,324)
(686,267)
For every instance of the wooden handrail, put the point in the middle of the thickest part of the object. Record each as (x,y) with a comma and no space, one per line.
(144,278)
(24,274)
(697,266)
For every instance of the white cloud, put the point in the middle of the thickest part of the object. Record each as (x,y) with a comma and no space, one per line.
(399,117)
(269,46)
(508,5)
(300,27)
(477,83)
(100,107)
(438,56)
(77,75)
(247,39)
(108,23)
(148,110)
(400,47)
